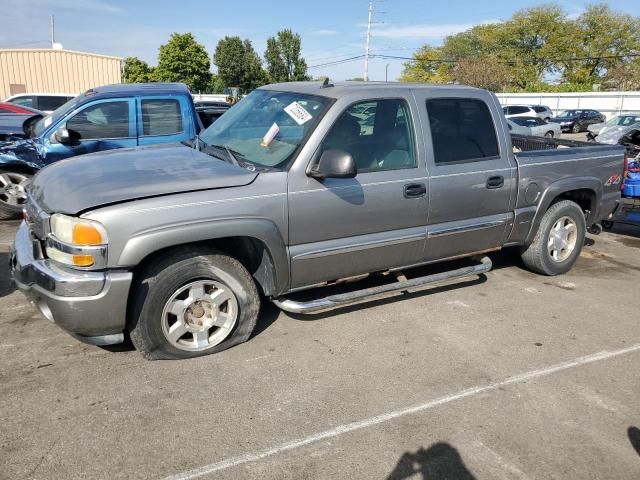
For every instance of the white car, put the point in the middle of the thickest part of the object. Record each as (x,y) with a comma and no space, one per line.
(537,126)
(45,102)
(541,111)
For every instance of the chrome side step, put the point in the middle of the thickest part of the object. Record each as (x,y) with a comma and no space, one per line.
(344,299)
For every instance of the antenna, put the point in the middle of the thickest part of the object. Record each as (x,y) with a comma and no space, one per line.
(53,37)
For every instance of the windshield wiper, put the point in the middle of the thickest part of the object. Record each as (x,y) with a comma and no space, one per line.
(230,153)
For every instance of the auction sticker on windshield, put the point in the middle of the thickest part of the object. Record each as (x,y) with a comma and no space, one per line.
(298,113)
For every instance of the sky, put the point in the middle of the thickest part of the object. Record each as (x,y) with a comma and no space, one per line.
(331,30)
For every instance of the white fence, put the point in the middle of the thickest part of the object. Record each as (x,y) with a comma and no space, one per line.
(211,97)
(609,103)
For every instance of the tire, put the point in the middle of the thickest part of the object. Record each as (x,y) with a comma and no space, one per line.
(607,224)
(576,128)
(538,256)
(12,194)
(547,120)
(549,134)
(185,270)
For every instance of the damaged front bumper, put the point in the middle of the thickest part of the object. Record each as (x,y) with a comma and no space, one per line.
(92,306)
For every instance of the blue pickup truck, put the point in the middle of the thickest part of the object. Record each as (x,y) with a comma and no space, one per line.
(103,118)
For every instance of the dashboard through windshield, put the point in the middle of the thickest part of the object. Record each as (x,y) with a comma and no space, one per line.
(267,127)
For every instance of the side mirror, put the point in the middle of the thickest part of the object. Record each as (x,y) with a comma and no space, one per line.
(62,135)
(334,164)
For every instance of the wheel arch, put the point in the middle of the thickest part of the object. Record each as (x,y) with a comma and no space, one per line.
(585,191)
(256,243)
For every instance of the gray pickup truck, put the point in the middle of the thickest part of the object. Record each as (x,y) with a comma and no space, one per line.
(299,186)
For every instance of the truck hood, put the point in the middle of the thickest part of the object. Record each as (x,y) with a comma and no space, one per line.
(88,181)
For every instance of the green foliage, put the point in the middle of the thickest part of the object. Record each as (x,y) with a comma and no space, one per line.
(284,62)
(182,59)
(537,49)
(238,64)
(137,71)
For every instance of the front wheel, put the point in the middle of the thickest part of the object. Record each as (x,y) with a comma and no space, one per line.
(193,303)
(549,134)
(13,195)
(559,240)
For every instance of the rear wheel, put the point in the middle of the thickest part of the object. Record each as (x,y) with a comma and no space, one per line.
(559,240)
(576,128)
(193,303)
(549,134)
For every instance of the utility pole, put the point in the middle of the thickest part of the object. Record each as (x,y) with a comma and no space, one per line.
(366,54)
(386,72)
(53,39)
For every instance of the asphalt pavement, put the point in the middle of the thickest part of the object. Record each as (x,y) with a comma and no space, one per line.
(507,376)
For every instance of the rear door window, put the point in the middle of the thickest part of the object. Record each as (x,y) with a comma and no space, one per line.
(519,110)
(462,130)
(50,103)
(161,117)
(101,121)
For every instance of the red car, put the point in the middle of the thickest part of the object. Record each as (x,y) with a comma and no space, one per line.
(6,107)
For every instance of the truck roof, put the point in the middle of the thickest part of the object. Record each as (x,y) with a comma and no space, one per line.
(338,89)
(140,89)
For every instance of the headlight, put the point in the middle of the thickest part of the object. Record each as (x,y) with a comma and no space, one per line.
(76,241)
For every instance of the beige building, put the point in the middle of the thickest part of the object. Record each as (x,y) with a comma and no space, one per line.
(55,71)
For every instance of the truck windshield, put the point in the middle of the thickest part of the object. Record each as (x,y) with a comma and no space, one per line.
(53,117)
(267,127)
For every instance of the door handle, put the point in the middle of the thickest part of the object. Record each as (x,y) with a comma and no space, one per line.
(415,190)
(495,182)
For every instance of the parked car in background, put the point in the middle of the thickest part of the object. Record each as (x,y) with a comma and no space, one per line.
(45,102)
(576,121)
(177,245)
(16,121)
(516,129)
(629,135)
(538,127)
(619,122)
(8,108)
(104,118)
(541,111)
(209,112)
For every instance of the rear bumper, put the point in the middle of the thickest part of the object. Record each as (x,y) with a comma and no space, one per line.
(91,306)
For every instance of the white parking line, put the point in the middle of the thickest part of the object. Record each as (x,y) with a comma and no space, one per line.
(385,417)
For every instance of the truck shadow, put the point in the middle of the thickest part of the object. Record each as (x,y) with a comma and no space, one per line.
(7,287)
(634,438)
(440,461)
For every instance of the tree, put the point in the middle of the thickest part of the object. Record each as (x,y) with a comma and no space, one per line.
(284,61)
(182,59)
(602,39)
(137,71)
(426,66)
(482,72)
(625,77)
(540,49)
(238,64)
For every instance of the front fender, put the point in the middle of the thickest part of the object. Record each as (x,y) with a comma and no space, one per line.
(556,189)
(21,155)
(150,241)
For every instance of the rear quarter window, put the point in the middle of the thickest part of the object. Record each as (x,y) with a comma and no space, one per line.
(462,130)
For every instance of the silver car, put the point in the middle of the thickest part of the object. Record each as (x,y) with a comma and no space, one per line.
(538,127)
(619,122)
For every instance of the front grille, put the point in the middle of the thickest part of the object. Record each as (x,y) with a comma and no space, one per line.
(37,219)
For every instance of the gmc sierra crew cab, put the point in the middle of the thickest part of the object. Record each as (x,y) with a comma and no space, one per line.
(298,186)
